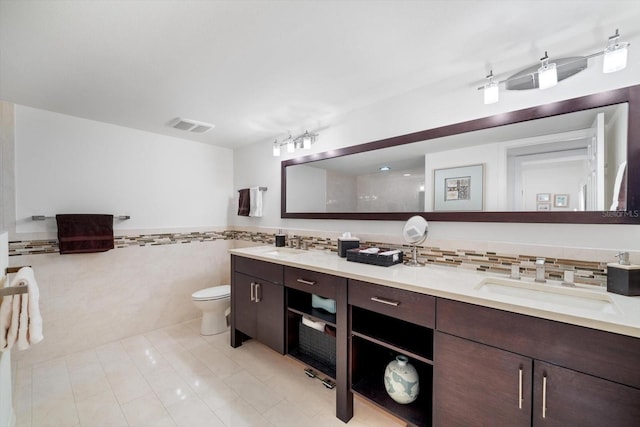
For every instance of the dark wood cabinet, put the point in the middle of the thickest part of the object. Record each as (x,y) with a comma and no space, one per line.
(478,366)
(257,303)
(478,385)
(508,369)
(385,323)
(564,397)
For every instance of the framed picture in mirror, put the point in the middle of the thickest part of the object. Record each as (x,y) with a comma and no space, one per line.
(459,188)
(561,201)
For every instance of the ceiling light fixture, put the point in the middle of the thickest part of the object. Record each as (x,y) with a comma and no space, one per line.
(385,168)
(301,141)
(547,74)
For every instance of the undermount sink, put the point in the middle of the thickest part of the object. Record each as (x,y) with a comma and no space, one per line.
(553,297)
(283,252)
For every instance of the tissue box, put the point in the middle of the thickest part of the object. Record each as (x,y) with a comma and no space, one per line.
(623,279)
(346,243)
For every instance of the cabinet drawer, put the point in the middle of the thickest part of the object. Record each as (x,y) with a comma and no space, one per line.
(313,282)
(260,269)
(600,353)
(405,305)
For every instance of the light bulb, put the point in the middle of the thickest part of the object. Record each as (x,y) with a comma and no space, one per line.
(291,146)
(276,149)
(615,57)
(547,73)
(491,93)
(306,141)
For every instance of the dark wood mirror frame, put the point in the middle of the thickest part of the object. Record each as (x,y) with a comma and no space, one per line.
(630,94)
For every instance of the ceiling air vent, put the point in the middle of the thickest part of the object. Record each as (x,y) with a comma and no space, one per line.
(191,125)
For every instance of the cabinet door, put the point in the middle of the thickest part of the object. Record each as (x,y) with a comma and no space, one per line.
(245,308)
(270,322)
(563,397)
(478,385)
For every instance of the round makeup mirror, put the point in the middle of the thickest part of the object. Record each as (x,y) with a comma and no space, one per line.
(414,232)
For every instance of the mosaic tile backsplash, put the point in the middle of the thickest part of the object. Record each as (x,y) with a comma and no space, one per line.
(585,272)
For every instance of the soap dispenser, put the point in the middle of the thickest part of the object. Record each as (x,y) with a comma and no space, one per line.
(623,277)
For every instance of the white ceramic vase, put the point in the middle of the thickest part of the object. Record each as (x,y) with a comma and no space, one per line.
(401,380)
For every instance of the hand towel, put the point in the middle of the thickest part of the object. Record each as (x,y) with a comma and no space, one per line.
(30,320)
(244,203)
(85,233)
(255,202)
(6,315)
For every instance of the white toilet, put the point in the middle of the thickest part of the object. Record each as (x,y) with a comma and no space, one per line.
(215,304)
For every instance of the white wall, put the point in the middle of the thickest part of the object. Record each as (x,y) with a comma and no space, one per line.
(447,102)
(66,164)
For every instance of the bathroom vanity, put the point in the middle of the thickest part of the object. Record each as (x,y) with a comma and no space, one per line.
(486,349)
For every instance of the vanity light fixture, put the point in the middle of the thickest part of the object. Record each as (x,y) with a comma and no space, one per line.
(301,141)
(384,168)
(615,55)
(491,90)
(547,74)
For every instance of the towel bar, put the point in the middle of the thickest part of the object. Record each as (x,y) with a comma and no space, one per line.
(13,290)
(42,217)
(261,188)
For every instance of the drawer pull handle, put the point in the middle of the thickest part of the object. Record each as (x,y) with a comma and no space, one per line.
(544,396)
(253,291)
(306,282)
(385,301)
(258,292)
(520,389)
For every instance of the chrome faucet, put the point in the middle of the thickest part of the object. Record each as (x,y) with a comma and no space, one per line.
(540,276)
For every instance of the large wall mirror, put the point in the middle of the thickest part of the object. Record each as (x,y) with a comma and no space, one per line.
(573,161)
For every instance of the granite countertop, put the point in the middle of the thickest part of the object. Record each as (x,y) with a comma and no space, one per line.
(588,306)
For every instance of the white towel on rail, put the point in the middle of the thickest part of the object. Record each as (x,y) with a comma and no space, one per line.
(30,328)
(20,318)
(7,333)
(255,200)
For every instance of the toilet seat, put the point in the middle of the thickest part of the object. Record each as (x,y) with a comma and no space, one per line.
(213,293)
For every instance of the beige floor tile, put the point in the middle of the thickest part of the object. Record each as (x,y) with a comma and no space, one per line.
(286,414)
(147,411)
(162,341)
(88,380)
(100,410)
(216,360)
(22,405)
(169,386)
(240,413)
(185,363)
(193,413)
(129,388)
(55,411)
(256,393)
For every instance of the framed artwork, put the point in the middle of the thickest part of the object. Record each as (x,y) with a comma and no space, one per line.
(459,189)
(543,198)
(543,206)
(561,201)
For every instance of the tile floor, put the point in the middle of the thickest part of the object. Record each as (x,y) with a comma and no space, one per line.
(175,377)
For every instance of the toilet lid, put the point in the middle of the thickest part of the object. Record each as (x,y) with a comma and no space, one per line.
(215,292)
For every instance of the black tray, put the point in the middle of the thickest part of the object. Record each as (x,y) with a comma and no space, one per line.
(374,259)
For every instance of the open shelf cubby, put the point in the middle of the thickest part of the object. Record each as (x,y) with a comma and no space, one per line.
(300,302)
(408,338)
(310,346)
(369,363)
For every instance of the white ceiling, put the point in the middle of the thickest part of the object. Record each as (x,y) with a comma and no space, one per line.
(257,69)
